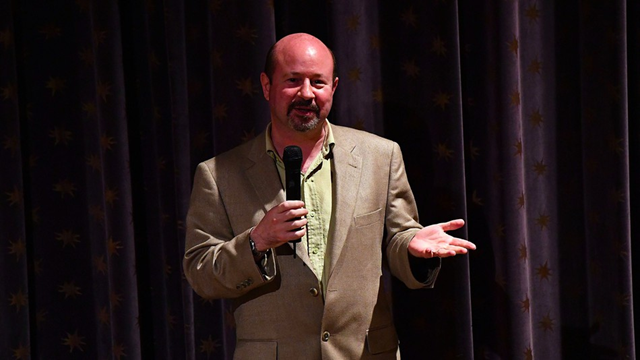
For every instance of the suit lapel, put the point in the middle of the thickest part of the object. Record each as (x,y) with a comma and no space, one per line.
(266,182)
(347,170)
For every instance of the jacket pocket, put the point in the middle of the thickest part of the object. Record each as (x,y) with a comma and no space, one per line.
(256,349)
(382,339)
(368,218)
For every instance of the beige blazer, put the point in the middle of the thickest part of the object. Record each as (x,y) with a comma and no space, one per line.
(284,315)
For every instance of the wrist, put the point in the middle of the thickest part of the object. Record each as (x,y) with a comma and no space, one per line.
(257,255)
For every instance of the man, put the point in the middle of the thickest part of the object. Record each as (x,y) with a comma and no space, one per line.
(326,301)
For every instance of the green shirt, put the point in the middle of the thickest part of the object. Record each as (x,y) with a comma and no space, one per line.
(316,192)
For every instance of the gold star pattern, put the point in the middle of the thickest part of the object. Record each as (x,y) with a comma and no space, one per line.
(409,18)
(37,267)
(110,196)
(374,42)
(441,99)
(56,84)
(353,23)
(94,162)
(623,299)
(474,151)
(528,353)
(14,197)
(118,351)
(103,316)
(6,38)
(17,248)
(200,140)
(115,299)
(522,250)
(41,317)
(535,67)
(97,213)
(154,62)
(411,69)
(476,199)
(532,13)
(521,201)
(536,118)
(438,47)
(171,320)
(540,167)
(18,300)
(378,95)
(69,289)
(86,56)
(73,341)
(546,323)
(513,45)
(616,145)
(9,92)
(215,6)
(354,74)
(89,108)
(50,31)
(248,135)
(220,111)
(515,98)
(113,247)
(21,352)
(443,152)
(103,90)
(246,33)
(500,231)
(11,143)
(60,135)
(209,346)
(65,187)
(100,264)
(68,237)
(543,221)
(107,142)
(83,5)
(216,58)
(167,269)
(246,86)
(99,36)
(525,304)
(543,271)
(617,196)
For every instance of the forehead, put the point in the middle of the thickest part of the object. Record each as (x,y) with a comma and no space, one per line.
(304,57)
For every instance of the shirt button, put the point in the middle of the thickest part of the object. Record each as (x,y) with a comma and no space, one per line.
(325,336)
(313,214)
(314,292)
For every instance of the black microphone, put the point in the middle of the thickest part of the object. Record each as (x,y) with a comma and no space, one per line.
(292,163)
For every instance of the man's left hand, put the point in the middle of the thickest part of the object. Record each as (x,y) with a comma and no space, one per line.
(433,241)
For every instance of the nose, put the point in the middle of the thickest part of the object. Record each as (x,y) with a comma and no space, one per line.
(306,92)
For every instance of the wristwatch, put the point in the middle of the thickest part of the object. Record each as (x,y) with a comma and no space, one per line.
(257,255)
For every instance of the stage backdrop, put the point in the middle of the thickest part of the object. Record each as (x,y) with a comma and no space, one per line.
(519,116)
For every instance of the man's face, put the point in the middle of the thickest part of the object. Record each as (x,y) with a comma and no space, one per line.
(300,92)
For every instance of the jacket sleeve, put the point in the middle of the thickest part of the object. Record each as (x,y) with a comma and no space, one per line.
(401,225)
(218,263)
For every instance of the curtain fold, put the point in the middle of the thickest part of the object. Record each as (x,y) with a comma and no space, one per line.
(519,117)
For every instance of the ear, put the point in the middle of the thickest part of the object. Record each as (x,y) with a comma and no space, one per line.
(266,85)
(335,84)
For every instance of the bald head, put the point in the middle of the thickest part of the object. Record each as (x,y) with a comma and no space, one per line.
(282,47)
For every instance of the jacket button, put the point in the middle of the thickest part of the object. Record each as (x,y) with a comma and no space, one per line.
(325,336)
(314,292)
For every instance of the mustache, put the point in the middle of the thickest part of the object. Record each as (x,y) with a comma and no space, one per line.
(304,104)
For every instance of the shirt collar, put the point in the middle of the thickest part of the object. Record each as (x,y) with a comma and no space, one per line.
(327,145)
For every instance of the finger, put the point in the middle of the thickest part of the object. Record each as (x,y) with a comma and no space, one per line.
(463,243)
(291,204)
(452,225)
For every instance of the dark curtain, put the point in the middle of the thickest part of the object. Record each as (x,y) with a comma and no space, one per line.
(519,116)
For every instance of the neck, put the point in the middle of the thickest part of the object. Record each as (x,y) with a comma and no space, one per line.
(310,142)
